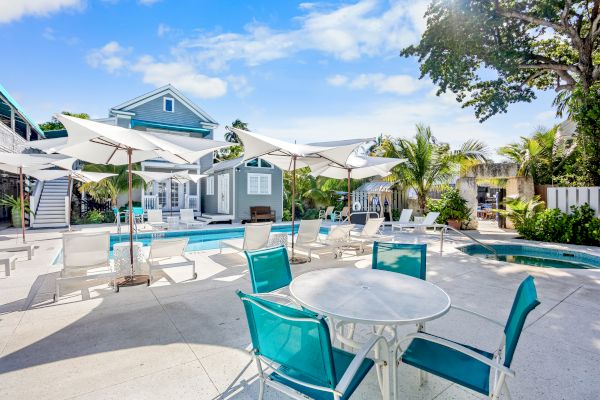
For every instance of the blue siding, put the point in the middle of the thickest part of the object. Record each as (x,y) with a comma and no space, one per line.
(244,201)
(153,111)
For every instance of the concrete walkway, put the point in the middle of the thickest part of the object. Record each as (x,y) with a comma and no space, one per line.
(184,339)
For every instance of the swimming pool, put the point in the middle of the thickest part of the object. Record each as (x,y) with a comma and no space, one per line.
(535,256)
(203,239)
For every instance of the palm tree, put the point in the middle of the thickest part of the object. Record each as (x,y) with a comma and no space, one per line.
(428,162)
(110,188)
(233,151)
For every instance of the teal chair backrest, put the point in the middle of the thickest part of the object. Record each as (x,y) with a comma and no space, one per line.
(407,259)
(138,211)
(269,269)
(525,301)
(296,339)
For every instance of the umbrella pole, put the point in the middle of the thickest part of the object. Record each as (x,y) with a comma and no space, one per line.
(69,193)
(22,203)
(129,182)
(349,200)
(293,201)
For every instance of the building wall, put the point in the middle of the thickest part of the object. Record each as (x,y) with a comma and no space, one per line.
(210,202)
(153,111)
(244,201)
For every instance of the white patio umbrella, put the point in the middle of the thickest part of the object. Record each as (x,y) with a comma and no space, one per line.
(24,164)
(355,167)
(100,143)
(177,176)
(290,156)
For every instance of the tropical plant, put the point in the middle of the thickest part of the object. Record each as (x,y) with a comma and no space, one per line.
(519,210)
(452,207)
(428,161)
(542,155)
(110,188)
(490,54)
(236,150)
(14,204)
(55,124)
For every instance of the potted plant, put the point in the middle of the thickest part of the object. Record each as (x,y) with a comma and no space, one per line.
(14,204)
(453,209)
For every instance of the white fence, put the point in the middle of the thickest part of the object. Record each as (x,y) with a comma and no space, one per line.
(150,202)
(565,197)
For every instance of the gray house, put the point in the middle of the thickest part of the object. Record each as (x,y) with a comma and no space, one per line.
(166,110)
(233,186)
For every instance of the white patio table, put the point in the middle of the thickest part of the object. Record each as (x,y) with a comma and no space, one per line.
(371,297)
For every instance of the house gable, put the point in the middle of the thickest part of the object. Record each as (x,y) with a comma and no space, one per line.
(150,108)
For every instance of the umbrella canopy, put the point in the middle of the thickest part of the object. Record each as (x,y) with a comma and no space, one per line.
(360,167)
(179,176)
(291,156)
(82,176)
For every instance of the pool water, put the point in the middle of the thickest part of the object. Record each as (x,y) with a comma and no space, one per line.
(535,256)
(205,239)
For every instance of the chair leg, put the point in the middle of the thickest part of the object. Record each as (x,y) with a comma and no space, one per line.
(29,253)
(7,268)
(500,384)
(57,292)
(261,390)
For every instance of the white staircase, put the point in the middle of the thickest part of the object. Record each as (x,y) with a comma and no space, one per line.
(51,206)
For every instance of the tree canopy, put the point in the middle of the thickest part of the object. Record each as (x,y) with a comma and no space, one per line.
(55,124)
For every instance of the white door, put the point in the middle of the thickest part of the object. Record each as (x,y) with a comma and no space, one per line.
(223,194)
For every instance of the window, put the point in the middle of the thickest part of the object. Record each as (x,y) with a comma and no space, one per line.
(168,104)
(210,185)
(258,163)
(259,184)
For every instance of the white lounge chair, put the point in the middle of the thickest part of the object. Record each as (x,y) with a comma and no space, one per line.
(186,217)
(9,262)
(341,216)
(308,233)
(324,214)
(256,236)
(428,222)
(169,253)
(370,233)
(86,256)
(19,247)
(155,219)
(336,239)
(404,217)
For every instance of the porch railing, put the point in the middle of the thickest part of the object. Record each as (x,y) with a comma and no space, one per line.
(192,201)
(150,202)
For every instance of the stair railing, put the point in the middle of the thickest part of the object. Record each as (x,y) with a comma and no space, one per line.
(34,201)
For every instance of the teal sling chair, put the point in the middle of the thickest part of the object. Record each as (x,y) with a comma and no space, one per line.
(269,271)
(294,355)
(407,259)
(476,369)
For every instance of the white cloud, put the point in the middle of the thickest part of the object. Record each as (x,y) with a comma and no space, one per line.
(163,29)
(16,9)
(348,32)
(240,85)
(182,75)
(396,84)
(148,2)
(110,57)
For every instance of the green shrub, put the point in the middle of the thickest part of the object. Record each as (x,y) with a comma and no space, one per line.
(311,213)
(287,215)
(552,225)
(450,206)
(395,214)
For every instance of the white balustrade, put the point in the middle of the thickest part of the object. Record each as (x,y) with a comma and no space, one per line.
(150,202)
(192,201)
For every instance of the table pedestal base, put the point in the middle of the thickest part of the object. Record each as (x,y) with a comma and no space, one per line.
(133,280)
(298,259)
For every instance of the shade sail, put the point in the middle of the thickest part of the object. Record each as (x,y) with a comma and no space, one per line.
(360,167)
(82,176)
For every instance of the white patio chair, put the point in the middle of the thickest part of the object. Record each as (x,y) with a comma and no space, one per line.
(256,236)
(341,216)
(18,248)
(370,233)
(155,219)
(324,214)
(308,233)
(86,256)
(428,222)
(404,217)
(9,263)
(186,217)
(169,253)
(336,239)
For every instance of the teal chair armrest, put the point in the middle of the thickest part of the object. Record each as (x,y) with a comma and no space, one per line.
(355,365)
(475,314)
(458,347)
(283,298)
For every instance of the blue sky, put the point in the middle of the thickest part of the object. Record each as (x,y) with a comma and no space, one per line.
(296,70)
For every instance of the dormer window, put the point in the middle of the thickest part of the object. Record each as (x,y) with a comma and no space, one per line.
(168,104)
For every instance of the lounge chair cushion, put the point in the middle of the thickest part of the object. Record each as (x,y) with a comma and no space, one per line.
(341,360)
(450,364)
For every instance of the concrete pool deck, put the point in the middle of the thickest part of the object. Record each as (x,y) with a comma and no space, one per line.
(185,339)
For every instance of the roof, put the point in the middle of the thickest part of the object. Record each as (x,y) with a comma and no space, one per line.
(376,187)
(167,89)
(223,165)
(20,110)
